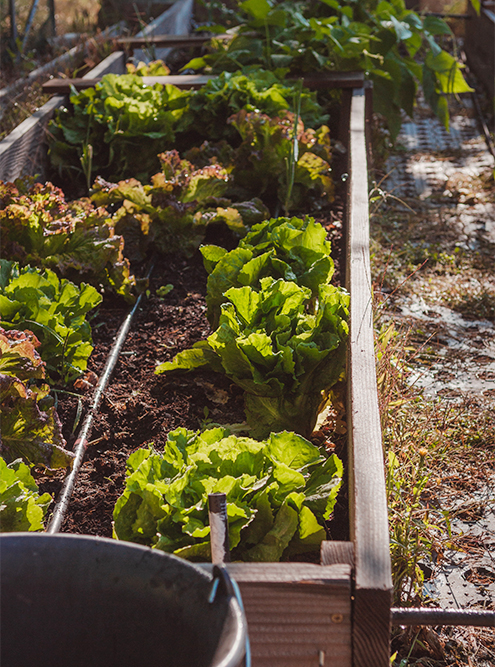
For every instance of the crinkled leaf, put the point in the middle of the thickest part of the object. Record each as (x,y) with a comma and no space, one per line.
(22,508)
(164,503)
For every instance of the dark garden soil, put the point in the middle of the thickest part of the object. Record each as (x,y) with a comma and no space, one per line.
(139,408)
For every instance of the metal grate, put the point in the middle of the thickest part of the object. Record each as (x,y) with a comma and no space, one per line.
(429,154)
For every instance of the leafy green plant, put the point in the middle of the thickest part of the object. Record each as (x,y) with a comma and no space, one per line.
(280,326)
(285,352)
(154,68)
(260,163)
(172,213)
(55,309)
(254,90)
(289,248)
(30,427)
(395,46)
(76,240)
(120,117)
(279,492)
(22,508)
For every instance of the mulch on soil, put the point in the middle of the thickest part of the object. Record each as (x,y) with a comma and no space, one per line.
(140,408)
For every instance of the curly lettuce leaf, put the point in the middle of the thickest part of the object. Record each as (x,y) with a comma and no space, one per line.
(261,161)
(285,358)
(75,239)
(22,508)
(30,427)
(173,212)
(253,90)
(55,310)
(120,118)
(165,502)
(289,248)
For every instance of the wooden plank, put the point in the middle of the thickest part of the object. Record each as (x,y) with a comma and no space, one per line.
(169,40)
(175,21)
(299,614)
(335,552)
(368,506)
(325,80)
(21,150)
(344,80)
(64,86)
(112,64)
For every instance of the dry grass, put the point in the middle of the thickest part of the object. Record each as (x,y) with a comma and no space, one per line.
(441,450)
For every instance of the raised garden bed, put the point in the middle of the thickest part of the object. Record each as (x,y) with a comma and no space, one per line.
(336,612)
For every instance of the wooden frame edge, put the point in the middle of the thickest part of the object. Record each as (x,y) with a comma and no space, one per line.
(368,503)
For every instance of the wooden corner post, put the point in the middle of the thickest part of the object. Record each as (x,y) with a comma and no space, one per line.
(368,505)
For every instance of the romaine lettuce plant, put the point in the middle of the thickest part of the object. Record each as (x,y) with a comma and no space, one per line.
(289,248)
(30,427)
(283,350)
(55,310)
(22,508)
(76,240)
(279,493)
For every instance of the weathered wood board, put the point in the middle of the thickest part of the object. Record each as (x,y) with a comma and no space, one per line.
(299,614)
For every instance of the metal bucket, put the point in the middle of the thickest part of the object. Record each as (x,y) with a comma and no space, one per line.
(76,600)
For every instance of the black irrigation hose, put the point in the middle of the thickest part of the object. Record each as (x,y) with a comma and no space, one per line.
(82,441)
(430,616)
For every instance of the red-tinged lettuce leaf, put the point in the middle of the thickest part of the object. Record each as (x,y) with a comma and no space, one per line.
(259,89)
(75,239)
(260,162)
(32,430)
(172,213)
(22,508)
(19,357)
(30,427)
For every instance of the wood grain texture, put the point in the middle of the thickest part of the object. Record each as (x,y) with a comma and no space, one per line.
(63,86)
(368,505)
(298,613)
(335,552)
(327,80)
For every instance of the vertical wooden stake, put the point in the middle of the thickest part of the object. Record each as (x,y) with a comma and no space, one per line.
(219,528)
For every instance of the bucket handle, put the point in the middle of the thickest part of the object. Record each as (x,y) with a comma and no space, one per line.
(228,587)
